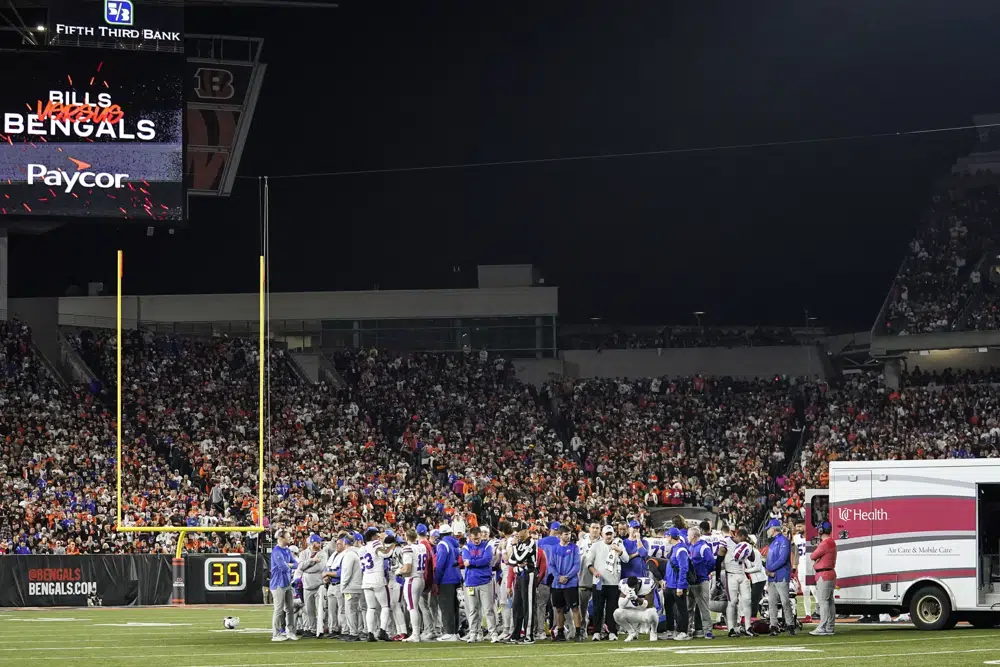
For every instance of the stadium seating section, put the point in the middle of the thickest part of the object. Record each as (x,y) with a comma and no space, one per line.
(944,282)
(427,437)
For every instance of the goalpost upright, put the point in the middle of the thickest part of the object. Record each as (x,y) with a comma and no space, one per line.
(182,531)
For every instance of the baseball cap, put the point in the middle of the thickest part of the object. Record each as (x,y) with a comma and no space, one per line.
(315,538)
(608,530)
(555,525)
(421,529)
(358,537)
(348,539)
(825,527)
(444,529)
(633,524)
(774,523)
(390,533)
(435,533)
(674,533)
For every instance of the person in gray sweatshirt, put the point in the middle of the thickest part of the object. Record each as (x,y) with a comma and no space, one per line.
(350,586)
(312,564)
(604,563)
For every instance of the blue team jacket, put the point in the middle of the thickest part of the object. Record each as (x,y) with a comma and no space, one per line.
(446,562)
(478,563)
(547,544)
(564,561)
(282,563)
(635,567)
(779,559)
(702,559)
(677,567)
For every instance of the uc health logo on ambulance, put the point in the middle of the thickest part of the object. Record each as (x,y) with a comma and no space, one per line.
(853,514)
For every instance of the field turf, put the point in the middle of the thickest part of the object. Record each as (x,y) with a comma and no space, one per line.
(194,637)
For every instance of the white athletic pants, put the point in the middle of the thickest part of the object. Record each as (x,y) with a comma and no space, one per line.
(397,607)
(377,609)
(413,598)
(632,619)
(738,588)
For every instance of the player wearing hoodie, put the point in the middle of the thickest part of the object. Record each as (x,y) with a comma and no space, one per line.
(477,554)
(448,578)
(564,569)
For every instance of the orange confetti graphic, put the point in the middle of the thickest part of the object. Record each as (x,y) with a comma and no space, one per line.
(70,79)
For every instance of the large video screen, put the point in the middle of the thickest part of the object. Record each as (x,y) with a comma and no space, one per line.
(92,135)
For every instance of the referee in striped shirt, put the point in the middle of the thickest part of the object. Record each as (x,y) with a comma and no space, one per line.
(524,565)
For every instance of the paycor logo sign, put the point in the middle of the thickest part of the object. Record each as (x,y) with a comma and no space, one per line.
(852,514)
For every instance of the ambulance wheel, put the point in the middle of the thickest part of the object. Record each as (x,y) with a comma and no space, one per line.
(930,609)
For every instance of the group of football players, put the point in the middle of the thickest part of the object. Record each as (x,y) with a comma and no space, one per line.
(425,585)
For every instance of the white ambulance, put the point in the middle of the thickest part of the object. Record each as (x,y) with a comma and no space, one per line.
(914,536)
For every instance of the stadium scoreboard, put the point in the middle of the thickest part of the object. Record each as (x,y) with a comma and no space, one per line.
(225,574)
(94,121)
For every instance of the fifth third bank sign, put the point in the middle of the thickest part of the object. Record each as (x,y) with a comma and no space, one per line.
(138,25)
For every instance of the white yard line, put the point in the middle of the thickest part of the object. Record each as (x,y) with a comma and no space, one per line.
(430,646)
(604,649)
(526,654)
(523,654)
(813,658)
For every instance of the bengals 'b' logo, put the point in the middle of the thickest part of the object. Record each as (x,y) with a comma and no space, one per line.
(214,84)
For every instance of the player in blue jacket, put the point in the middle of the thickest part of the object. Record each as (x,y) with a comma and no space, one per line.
(637,550)
(480,601)
(282,565)
(779,571)
(448,578)
(564,566)
(677,585)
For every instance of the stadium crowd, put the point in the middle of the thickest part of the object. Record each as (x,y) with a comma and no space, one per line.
(635,338)
(429,438)
(941,270)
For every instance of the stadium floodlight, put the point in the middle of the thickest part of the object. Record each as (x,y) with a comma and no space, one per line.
(184,530)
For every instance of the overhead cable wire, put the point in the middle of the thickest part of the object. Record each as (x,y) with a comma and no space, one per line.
(649,153)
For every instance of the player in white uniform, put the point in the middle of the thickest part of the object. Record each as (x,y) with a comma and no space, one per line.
(738,552)
(413,569)
(375,586)
(506,608)
(807,592)
(634,607)
(396,605)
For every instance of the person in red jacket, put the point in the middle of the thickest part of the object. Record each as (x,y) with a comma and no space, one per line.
(825,566)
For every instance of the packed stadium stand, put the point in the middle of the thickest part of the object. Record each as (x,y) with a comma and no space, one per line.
(944,281)
(432,436)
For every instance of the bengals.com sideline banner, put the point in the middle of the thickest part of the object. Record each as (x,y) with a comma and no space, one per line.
(81,581)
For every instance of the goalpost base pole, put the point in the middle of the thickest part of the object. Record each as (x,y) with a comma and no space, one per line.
(177,564)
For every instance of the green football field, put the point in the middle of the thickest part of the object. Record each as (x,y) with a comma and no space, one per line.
(194,637)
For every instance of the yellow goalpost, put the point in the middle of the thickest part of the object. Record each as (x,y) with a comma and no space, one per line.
(184,530)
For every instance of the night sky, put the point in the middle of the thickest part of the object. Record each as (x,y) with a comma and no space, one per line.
(751,236)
